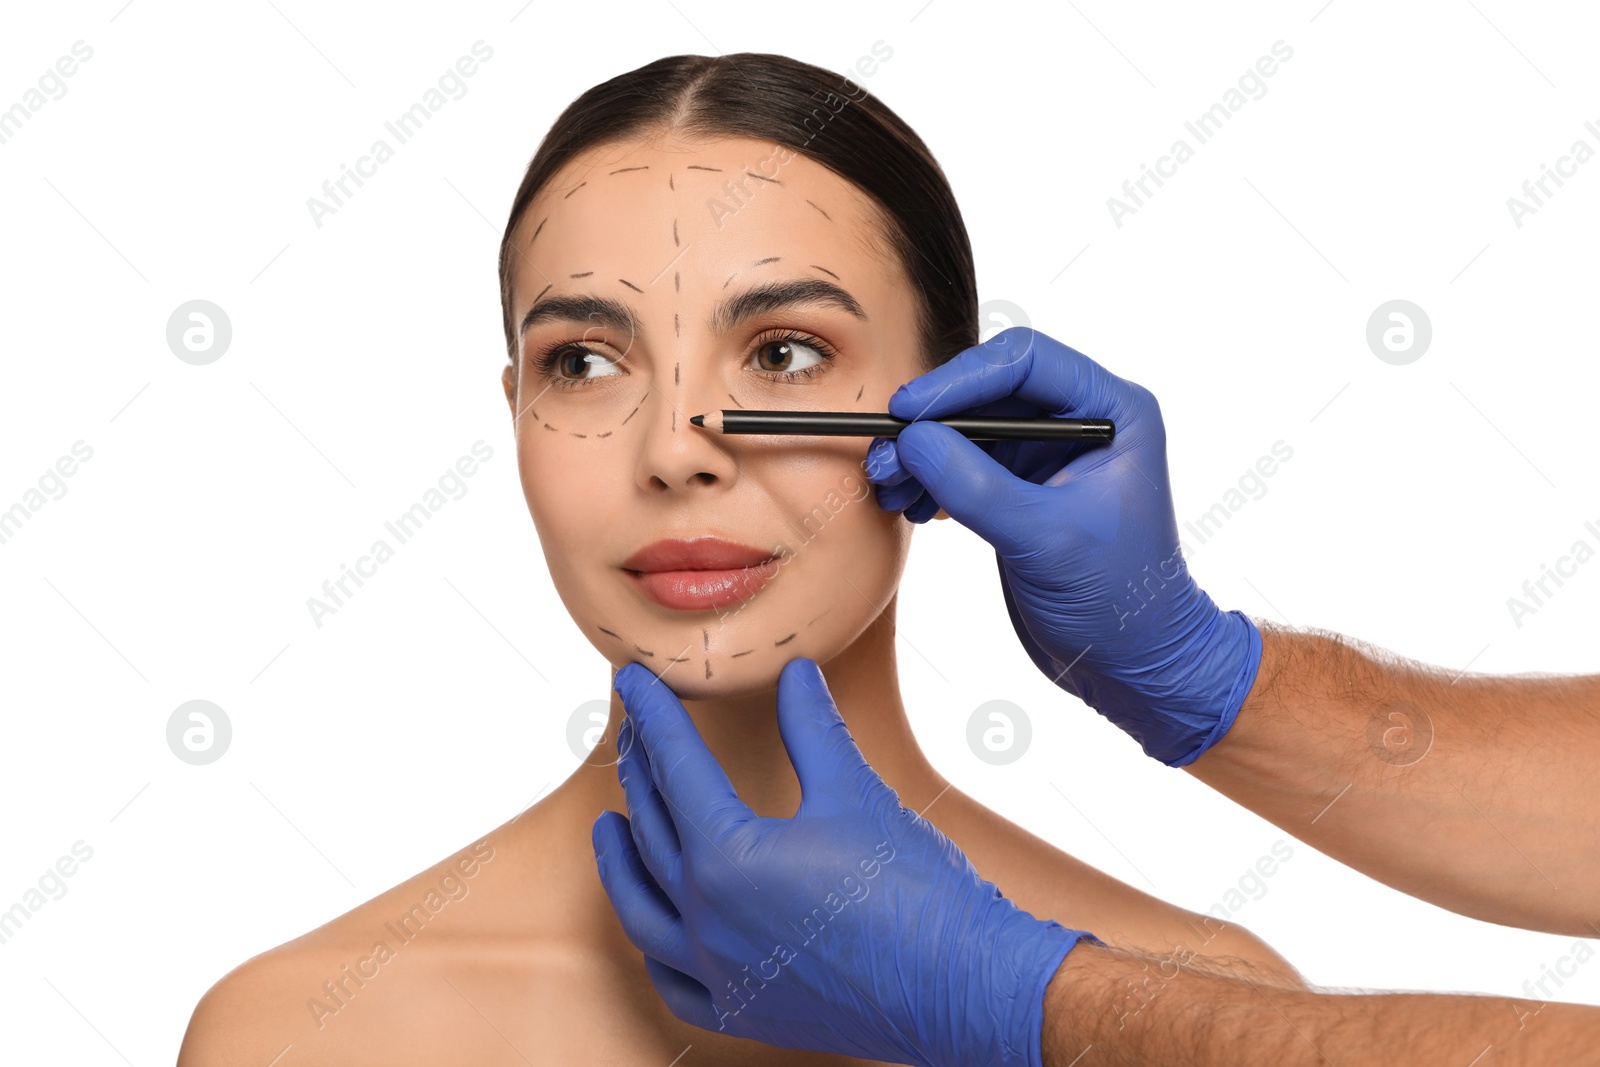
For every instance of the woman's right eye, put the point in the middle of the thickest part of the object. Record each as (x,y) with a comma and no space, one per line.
(565,365)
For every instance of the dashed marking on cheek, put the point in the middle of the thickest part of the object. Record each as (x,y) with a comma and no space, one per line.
(579,186)
(746,652)
(734,399)
(674,233)
(608,433)
(677,659)
(548,426)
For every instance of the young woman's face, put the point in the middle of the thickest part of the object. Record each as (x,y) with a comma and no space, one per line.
(660,281)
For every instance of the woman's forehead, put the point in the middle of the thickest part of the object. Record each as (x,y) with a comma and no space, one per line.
(654,207)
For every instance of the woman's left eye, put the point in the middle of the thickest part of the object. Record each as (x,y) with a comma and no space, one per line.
(785,348)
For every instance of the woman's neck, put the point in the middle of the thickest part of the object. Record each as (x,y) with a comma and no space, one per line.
(742,733)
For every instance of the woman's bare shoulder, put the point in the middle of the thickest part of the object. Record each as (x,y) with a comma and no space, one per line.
(342,991)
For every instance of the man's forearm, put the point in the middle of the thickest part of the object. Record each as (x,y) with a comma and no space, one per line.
(1108,1006)
(1477,793)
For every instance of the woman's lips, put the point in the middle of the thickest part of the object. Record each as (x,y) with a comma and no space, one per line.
(700,573)
(703,590)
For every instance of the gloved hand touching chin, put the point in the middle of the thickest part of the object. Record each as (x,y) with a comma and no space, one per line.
(855,927)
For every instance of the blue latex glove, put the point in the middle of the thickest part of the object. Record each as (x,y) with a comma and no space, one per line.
(855,927)
(1084,535)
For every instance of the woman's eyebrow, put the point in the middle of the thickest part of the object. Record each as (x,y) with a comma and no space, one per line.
(776,296)
(596,310)
(758,300)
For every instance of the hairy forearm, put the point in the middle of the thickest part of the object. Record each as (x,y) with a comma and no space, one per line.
(1476,793)
(1108,1006)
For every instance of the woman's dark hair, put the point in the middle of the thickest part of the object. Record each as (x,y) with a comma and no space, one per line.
(808,110)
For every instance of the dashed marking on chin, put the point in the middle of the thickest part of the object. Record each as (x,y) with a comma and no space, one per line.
(860,391)
(708,668)
(607,632)
(786,640)
(641,651)
(677,659)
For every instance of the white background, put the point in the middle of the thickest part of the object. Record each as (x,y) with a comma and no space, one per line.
(365,359)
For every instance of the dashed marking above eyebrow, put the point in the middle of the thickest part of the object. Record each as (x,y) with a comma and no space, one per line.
(763,262)
(731,277)
(696,166)
(624,170)
(580,185)
(826,271)
(824,213)
(543,291)
(585,274)
(630,285)
(763,177)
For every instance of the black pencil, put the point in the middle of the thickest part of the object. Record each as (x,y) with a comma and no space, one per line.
(882,424)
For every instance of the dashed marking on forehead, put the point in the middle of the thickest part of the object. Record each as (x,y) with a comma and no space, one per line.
(696,166)
(585,274)
(624,170)
(764,262)
(824,213)
(630,285)
(575,188)
(674,233)
(826,271)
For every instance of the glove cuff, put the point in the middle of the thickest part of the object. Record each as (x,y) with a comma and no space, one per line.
(1036,957)
(1250,637)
